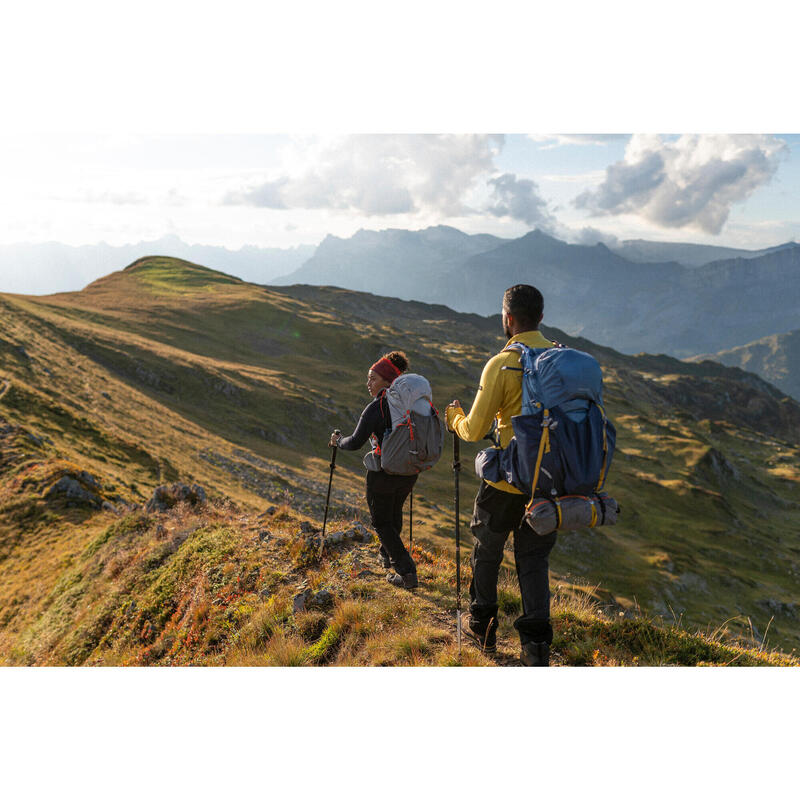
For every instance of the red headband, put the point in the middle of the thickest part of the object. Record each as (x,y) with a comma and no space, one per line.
(386,369)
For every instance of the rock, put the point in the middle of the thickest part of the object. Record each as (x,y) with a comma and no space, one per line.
(165,497)
(265,594)
(109,507)
(306,527)
(74,491)
(322,599)
(299,601)
(366,536)
(269,512)
(88,480)
(778,608)
(335,538)
(264,536)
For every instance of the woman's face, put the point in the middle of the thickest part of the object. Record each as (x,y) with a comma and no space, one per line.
(375,383)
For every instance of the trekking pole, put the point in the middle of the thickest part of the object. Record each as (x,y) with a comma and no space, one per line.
(456,471)
(410,521)
(334,448)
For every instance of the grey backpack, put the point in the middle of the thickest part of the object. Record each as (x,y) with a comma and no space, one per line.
(414,442)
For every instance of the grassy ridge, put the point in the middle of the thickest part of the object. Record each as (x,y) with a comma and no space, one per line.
(216,586)
(167,370)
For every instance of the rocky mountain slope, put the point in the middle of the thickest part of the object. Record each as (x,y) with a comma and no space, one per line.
(393,262)
(169,372)
(775,358)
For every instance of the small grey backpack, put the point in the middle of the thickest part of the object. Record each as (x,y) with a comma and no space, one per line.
(414,442)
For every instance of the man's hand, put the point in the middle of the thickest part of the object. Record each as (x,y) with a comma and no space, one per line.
(450,412)
(335,436)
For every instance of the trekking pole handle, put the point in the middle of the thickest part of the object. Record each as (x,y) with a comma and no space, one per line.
(334,448)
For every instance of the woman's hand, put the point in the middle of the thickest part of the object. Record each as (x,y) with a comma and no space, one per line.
(335,436)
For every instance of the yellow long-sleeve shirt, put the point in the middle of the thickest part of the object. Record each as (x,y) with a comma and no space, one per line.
(499,396)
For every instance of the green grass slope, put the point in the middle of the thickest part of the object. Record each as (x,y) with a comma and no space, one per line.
(168,371)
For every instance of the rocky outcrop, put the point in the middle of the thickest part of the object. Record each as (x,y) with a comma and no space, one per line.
(165,497)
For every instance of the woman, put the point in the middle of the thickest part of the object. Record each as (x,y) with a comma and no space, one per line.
(386,493)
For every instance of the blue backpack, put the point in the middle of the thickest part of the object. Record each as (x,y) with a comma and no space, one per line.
(563,442)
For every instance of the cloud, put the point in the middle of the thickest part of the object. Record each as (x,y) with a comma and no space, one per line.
(591,236)
(381,175)
(689,182)
(115,198)
(519,198)
(550,140)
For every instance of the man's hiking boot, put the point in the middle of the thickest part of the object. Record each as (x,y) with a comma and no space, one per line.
(535,654)
(408,581)
(484,637)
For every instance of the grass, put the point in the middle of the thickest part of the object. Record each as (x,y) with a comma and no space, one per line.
(196,586)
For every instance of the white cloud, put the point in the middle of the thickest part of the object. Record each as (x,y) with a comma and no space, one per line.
(689,182)
(518,198)
(381,175)
(121,198)
(591,236)
(596,176)
(550,140)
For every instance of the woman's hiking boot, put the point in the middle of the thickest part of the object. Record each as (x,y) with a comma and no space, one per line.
(483,635)
(535,654)
(407,581)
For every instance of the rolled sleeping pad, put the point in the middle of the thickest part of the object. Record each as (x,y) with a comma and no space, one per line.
(577,511)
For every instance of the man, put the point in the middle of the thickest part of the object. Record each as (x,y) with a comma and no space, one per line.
(499,507)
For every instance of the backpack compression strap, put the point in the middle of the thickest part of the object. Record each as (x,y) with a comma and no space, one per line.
(604,468)
(544,447)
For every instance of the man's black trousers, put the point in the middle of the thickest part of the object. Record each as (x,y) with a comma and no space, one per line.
(496,514)
(386,495)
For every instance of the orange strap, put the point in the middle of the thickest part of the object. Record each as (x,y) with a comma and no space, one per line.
(544,446)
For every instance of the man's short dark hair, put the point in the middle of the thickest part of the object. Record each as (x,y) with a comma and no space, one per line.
(525,303)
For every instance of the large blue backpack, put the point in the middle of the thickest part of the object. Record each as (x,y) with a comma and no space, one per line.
(563,442)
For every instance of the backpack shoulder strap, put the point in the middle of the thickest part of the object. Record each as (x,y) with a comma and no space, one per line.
(384,406)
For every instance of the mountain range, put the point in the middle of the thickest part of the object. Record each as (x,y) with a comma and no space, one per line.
(591,291)
(168,372)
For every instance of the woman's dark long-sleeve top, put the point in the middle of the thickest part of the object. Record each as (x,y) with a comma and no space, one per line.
(374,421)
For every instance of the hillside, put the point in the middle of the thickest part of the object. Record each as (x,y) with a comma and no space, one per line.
(206,584)
(775,358)
(167,371)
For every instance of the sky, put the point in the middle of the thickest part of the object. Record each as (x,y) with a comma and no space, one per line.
(281,190)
